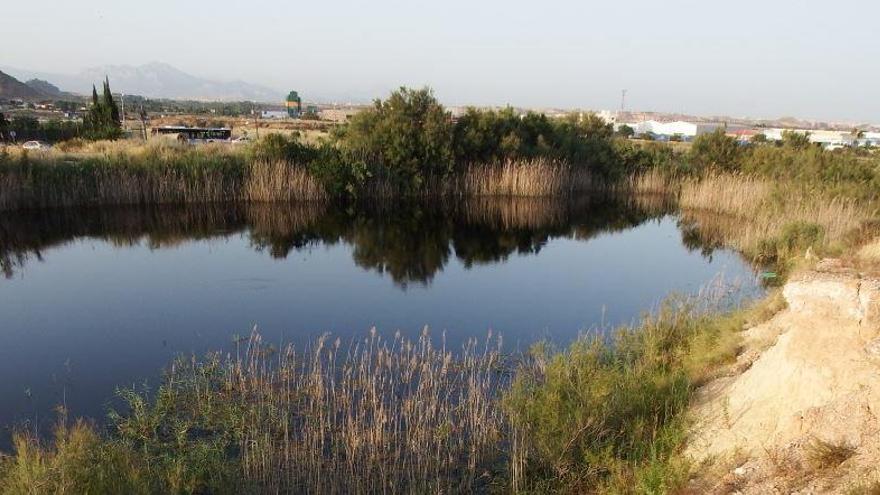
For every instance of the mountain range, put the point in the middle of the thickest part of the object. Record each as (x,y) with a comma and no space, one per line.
(154,80)
(12,88)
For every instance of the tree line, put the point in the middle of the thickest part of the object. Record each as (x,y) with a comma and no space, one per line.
(410,137)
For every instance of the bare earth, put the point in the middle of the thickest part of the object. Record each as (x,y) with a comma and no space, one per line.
(811,374)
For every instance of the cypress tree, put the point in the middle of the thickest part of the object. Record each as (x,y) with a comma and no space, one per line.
(112,111)
(102,120)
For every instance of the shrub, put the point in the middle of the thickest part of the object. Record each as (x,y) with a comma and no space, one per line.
(606,415)
(409,135)
(826,455)
(795,238)
(716,151)
(278,147)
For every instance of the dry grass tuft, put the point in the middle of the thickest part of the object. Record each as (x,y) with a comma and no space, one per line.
(824,454)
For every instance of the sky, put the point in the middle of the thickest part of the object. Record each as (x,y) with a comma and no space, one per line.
(749,58)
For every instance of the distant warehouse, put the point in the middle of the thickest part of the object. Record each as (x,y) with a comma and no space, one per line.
(683,129)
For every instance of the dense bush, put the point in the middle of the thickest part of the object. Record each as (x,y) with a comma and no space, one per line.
(604,415)
(409,135)
(493,136)
(796,237)
(716,151)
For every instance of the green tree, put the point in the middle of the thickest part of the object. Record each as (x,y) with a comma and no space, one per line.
(796,140)
(110,106)
(4,127)
(716,151)
(625,131)
(409,135)
(102,119)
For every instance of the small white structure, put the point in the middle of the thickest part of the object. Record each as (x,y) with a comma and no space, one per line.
(273,114)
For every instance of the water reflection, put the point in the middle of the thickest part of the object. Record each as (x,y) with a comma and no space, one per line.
(410,242)
(101,298)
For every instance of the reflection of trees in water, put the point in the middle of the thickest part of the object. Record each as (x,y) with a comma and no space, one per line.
(705,232)
(410,242)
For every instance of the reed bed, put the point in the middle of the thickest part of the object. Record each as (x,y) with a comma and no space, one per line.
(152,176)
(117,174)
(373,416)
(765,219)
(525,178)
(281,181)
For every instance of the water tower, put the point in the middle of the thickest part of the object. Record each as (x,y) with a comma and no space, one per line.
(293,105)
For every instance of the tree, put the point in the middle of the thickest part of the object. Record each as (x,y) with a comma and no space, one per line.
(716,151)
(625,131)
(4,128)
(102,119)
(796,140)
(409,135)
(109,104)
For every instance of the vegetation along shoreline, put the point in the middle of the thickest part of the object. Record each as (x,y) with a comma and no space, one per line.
(602,415)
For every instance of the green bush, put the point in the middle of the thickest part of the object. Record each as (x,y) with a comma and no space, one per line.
(716,151)
(409,135)
(606,416)
(794,239)
(278,147)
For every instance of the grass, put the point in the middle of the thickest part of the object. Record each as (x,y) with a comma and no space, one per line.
(823,454)
(122,173)
(361,418)
(393,415)
(775,222)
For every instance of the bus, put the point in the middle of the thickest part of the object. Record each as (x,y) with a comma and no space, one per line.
(194,134)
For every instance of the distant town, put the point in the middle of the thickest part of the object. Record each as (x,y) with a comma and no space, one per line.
(39,101)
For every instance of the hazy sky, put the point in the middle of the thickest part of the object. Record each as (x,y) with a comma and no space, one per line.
(761,58)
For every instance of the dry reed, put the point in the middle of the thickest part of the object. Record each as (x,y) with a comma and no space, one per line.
(364,418)
(743,211)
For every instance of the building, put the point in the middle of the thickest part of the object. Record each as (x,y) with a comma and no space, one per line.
(685,130)
(828,139)
(273,114)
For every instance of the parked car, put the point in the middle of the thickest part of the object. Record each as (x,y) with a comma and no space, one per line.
(35,145)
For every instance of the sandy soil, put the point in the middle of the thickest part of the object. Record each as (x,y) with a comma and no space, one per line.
(806,383)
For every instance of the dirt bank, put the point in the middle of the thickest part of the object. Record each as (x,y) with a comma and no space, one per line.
(798,413)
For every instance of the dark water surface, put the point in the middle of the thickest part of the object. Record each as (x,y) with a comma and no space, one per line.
(96,299)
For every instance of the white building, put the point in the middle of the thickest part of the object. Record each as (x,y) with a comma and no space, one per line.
(677,128)
(828,139)
(273,114)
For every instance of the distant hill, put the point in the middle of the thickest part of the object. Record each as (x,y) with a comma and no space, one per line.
(47,88)
(156,80)
(11,87)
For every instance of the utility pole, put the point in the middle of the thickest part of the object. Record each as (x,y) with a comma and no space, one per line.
(622,100)
(256,119)
(123,111)
(143,116)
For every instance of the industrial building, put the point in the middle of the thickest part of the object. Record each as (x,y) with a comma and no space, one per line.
(685,130)
(828,139)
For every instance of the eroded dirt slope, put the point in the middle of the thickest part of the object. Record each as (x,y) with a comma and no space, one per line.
(799,411)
